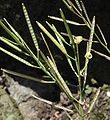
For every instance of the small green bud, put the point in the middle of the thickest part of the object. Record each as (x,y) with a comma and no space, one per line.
(88,55)
(78,39)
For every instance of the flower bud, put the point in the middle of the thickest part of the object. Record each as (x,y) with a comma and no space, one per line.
(88,55)
(78,39)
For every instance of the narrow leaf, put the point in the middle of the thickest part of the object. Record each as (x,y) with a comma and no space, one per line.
(26,76)
(14,31)
(68,59)
(53,39)
(17,58)
(85,12)
(62,83)
(68,21)
(102,35)
(58,34)
(48,48)
(70,6)
(5,40)
(11,33)
(67,28)
(101,54)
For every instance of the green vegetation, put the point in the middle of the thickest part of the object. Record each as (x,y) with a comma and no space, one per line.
(50,67)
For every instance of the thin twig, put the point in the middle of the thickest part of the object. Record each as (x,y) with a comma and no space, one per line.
(51,103)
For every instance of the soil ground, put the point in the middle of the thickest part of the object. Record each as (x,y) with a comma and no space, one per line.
(18,102)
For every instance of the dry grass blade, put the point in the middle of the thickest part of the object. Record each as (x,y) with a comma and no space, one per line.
(51,103)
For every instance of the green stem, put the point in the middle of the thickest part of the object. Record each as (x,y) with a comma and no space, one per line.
(80,84)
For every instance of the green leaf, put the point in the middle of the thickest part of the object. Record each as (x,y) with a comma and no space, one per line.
(86,15)
(26,76)
(8,42)
(13,35)
(15,32)
(17,58)
(88,89)
(105,42)
(49,51)
(101,54)
(67,28)
(68,59)
(68,21)
(53,39)
(61,81)
(57,33)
